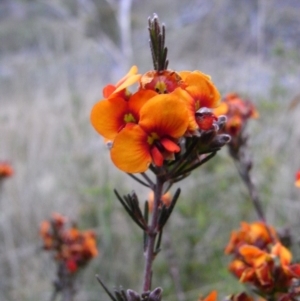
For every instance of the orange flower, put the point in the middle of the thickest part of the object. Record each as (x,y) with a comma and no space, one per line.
(260,265)
(194,88)
(58,220)
(237,267)
(166,199)
(163,119)
(201,88)
(282,253)
(129,79)
(68,245)
(89,245)
(297,182)
(254,256)
(109,116)
(5,170)
(258,234)
(45,233)
(212,296)
(269,271)
(162,82)
(237,110)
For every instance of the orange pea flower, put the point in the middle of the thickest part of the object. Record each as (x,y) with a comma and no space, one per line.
(269,271)
(5,170)
(110,116)
(195,88)
(297,181)
(68,245)
(129,79)
(163,119)
(237,110)
(201,88)
(257,233)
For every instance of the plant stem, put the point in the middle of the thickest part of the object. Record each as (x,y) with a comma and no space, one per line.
(246,177)
(151,234)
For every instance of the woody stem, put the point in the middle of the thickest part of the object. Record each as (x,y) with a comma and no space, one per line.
(151,235)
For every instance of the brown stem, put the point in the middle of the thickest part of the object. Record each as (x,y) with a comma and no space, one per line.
(64,284)
(151,235)
(244,172)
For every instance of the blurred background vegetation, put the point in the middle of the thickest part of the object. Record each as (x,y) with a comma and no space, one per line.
(55,58)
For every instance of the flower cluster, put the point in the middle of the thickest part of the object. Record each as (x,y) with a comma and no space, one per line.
(261,261)
(145,127)
(237,111)
(71,247)
(6,170)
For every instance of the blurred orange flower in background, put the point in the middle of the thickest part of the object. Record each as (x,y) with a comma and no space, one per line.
(237,110)
(166,200)
(297,181)
(68,245)
(6,170)
(257,234)
(262,261)
(212,296)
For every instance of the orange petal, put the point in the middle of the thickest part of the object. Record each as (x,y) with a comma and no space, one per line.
(253,255)
(237,267)
(283,253)
(169,145)
(248,275)
(185,74)
(157,156)
(190,102)
(261,231)
(222,109)
(108,90)
(133,70)
(212,296)
(165,115)
(129,79)
(202,89)
(128,82)
(130,151)
(107,117)
(138,99)
(264,274)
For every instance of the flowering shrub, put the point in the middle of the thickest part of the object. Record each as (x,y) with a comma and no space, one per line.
(159,127)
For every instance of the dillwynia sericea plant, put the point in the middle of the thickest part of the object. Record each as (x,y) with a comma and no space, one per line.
(157,134)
